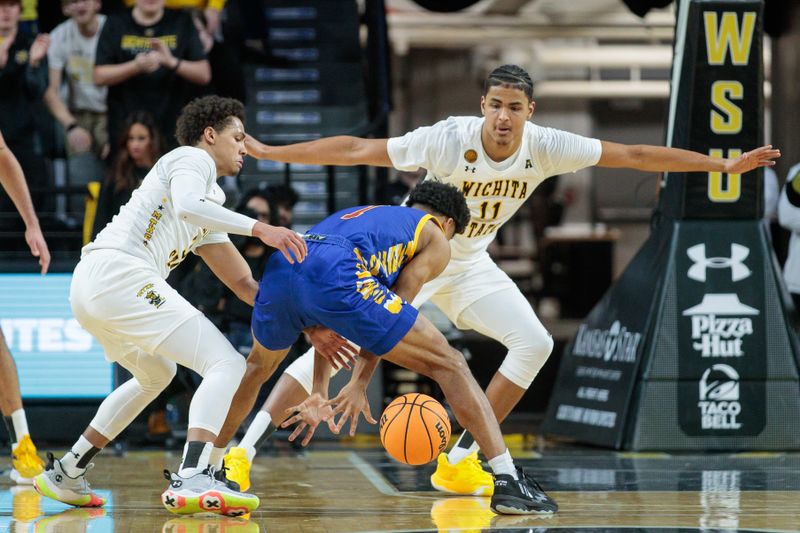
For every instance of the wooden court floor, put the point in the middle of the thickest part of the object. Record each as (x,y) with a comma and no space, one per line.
(362,490)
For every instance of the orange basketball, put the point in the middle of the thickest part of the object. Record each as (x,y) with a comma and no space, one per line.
(414,429)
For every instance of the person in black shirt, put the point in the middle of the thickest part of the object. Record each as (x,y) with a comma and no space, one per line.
(23,80)
(139,147)
(146,56)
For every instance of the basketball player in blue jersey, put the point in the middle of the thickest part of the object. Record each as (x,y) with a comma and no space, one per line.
(364,265)
(496,160)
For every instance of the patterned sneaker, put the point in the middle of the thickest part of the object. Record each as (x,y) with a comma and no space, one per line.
(465,477)
(221,475)
(520,496)
(202,493)
(220,524)
(238,467)
(56,484)
(27,465)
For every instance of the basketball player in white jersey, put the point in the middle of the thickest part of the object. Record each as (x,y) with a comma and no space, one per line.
(119,294)
(497,160)
(26,464)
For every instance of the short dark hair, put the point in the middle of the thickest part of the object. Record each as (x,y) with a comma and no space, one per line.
(444,199)
(512,76)
(200,113)
(283,195)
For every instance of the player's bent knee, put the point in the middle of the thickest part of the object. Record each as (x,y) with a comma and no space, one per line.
(447,364)
(522,366)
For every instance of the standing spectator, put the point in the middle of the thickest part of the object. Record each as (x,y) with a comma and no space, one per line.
(140,145)
(23,79)
(146,56)
(221,41)
(83,114)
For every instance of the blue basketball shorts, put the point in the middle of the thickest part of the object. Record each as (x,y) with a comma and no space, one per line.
(329,289)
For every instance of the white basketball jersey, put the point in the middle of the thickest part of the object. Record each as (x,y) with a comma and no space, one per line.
(452,152)
(148,227)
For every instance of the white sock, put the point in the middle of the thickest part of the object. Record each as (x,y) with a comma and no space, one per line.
(20,425)
(215,460)
(70,460)
(503,464)
(257,428)
(457,453)
(196,455)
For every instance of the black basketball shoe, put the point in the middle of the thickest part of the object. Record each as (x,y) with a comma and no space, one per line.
(221,475)
(520,496)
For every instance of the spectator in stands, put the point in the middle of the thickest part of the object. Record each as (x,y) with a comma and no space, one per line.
(83,114)
(222,42)
(149,57)
(789,217)
(140,145)
(23,80)
(284,198)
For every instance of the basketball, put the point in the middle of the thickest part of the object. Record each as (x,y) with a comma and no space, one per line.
(414,429)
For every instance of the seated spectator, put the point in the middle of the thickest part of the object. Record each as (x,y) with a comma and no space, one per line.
(284,198)
(23,79)
(83,114)
(140,146)
(149,57)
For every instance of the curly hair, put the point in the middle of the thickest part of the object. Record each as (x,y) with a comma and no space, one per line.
(510,76)
(444,199)
(200,113)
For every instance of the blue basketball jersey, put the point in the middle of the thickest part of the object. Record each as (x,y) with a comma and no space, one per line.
(384,236)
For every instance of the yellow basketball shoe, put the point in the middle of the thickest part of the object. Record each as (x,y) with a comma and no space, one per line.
(467,515)
(465,477)
(26,504)
(238,467)
(26,463)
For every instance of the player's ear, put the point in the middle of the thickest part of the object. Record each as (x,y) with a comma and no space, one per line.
(209,135)
(531,108)
(449,227)
(483,106)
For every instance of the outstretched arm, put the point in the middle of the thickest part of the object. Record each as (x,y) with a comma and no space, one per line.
(664,159)
(13,181)
(433,254)
(341,150)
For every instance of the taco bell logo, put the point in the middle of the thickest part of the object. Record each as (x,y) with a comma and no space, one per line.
(719,398)
(719,324)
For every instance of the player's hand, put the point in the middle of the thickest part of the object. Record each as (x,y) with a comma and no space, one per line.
(147,62)
(38,49)
(38,246)
(308,415)
(282,239)
(332,346)
(351,403)
(760,157)
(253,146)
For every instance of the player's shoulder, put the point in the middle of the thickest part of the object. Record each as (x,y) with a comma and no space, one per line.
(191,155)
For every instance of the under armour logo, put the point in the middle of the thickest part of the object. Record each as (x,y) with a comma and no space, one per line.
(469,169)
(739,270)
(76,454)
(176,483)
(169,501)
(59,478)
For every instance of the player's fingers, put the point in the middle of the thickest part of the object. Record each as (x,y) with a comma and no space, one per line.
(44,258)
(296,251)
(354,425)
(286,254)
(301,245)
(309,434)
(297,431)
(368,416)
